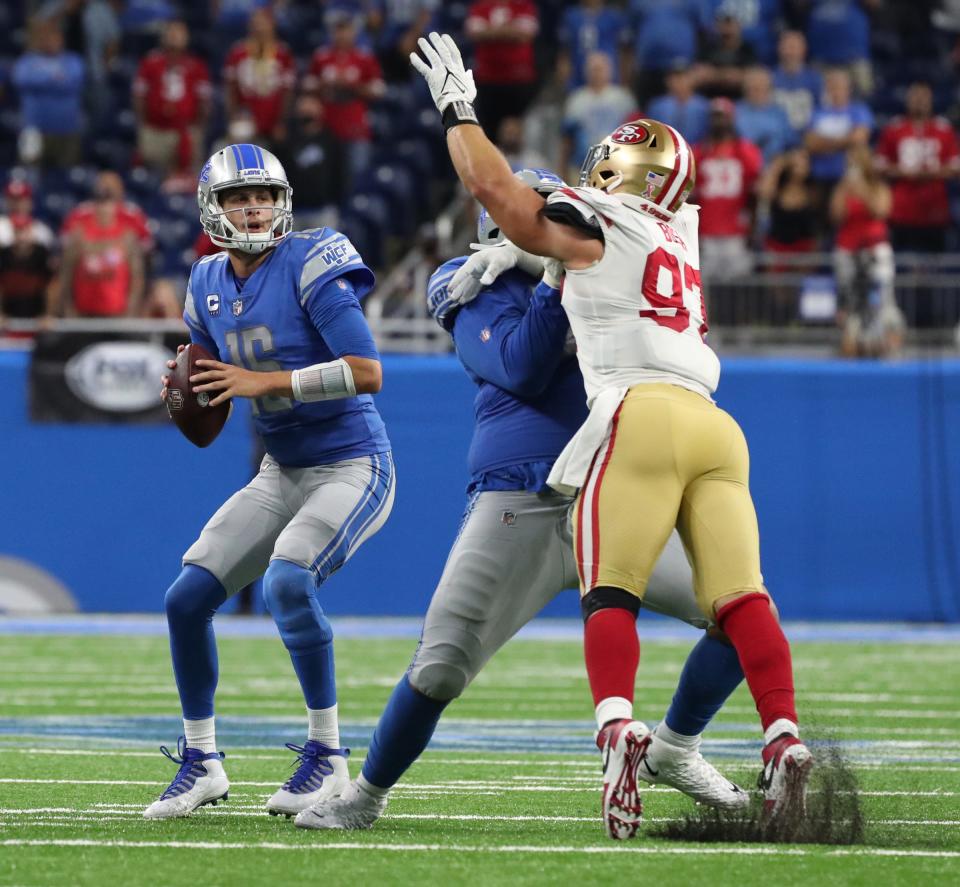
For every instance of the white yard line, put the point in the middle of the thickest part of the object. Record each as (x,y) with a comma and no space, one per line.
(432,759)
(325,847)
(68,814)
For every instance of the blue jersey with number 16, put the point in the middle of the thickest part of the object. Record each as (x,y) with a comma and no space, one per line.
(300,307)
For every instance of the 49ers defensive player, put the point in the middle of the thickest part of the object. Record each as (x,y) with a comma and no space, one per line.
(655,451)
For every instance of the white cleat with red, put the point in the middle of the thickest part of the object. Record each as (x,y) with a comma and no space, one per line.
(787,763)
(623,745)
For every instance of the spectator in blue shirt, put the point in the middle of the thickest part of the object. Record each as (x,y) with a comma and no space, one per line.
(665,35)
(758,20)
(839,124)
(759,118)
(686,111)
(839,34)
(592,113)
(796,86)
(50,83)
(91,29)
(592,26)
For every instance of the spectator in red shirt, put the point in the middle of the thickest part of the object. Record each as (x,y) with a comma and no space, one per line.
(260,74)
(863,260)
(346,78)
(727,171)
(103,270)
(504,70)
(109,186)
(918,153)
(171,98)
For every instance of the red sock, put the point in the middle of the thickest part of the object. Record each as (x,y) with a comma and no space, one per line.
(612,652)
(764,655)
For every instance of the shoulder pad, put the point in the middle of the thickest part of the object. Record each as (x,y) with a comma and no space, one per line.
(579,208)
(213,257)
(326,255)
(441,308)
(687,222)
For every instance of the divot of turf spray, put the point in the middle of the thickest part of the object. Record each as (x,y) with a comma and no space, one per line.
(833,811)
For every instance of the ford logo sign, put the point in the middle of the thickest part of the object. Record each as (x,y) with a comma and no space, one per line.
(118,377)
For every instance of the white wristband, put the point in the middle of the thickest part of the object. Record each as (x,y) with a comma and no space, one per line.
(323,381)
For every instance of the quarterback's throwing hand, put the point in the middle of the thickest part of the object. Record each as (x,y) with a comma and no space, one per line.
(443,70)
(229,381)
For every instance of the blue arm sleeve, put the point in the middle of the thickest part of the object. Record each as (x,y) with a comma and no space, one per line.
(198,332)
(336,314)
(202,338)
(513,349)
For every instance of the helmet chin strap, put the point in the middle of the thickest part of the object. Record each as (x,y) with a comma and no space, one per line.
(611,185)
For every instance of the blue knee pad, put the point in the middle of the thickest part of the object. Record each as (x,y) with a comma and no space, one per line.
(195,594)
(289,592)
(190,604)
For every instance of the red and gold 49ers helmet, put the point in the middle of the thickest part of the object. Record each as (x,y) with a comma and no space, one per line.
(646,158)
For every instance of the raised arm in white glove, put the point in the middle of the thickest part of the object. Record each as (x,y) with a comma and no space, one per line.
(451,85)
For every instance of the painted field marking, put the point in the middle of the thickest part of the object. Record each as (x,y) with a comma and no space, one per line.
(432,759)
(471,848)
(120,812)
(457,786)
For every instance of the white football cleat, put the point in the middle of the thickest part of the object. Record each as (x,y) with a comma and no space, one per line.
(787,763)
(354,809)
(200,780)
(623,745)
(322,774)
(688,771)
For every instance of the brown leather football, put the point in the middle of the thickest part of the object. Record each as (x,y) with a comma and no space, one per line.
(191,413)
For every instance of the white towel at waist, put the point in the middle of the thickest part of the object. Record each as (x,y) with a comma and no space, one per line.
(570,470)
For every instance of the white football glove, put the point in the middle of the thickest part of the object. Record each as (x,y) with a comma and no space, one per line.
(553,272)
(485,266)
(443,70)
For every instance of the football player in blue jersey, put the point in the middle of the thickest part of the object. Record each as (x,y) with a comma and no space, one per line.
(282,312)
(514,552)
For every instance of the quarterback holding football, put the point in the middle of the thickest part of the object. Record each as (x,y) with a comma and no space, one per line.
(281,312)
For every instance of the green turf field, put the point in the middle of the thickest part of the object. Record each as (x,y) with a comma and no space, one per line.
(509,796)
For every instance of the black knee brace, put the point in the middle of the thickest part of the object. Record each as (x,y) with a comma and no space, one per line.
(605,597)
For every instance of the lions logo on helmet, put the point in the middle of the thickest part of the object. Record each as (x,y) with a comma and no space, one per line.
(645,158)
(242,166)
(542,181)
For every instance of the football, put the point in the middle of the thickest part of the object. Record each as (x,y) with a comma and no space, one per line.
(192,413)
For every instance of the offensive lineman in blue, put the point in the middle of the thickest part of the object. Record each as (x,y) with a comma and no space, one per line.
(282,311)
(514,552)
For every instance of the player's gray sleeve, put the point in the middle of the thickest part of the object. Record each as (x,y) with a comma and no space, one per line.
(512,557)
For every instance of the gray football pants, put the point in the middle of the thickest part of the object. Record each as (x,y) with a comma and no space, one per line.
(513,555)
(315,517)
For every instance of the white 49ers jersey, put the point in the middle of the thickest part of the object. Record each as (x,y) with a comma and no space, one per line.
(638,314)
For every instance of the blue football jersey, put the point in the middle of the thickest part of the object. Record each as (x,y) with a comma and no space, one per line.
(300,307)
(530,400)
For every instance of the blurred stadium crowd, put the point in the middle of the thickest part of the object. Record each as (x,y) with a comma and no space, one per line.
(824,132)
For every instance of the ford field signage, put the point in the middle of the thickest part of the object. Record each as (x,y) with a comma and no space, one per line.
(119,377)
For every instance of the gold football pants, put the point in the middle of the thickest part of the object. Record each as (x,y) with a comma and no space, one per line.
(672,459)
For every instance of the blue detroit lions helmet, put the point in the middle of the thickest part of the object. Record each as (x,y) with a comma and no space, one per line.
(542,181)
(233,167)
